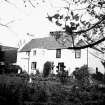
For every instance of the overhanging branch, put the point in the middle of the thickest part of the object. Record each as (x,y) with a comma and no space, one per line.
(86,46)
(83,31)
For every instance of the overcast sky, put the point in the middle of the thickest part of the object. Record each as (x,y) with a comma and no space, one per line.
(21,20)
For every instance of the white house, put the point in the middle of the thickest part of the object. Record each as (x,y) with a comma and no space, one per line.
(38,51)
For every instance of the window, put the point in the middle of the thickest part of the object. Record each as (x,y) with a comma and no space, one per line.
(27,53)
(58,53)
(77,53)
(34,52)
(61,66)
(33,65)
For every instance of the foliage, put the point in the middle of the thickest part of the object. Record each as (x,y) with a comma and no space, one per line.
(47,69)
(15,92)
(71,18)
(1,55)
(9,68)
(98,76)
(24,76)
(103,63)
(63,76)
(36,77)
(10,90)
(82,75)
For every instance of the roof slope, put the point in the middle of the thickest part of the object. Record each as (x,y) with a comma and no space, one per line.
(45,43)
(51,43)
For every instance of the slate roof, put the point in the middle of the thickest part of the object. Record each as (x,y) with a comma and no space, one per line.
(45,43)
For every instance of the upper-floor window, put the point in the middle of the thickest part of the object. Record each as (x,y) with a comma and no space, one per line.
(77,53)
(34,52)
(58,53)
(33,65)
(27,53)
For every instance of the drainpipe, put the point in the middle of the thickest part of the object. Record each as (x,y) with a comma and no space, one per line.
(87,57)
(28,61)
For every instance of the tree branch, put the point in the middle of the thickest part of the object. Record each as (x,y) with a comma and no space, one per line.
(31,3)
(97,56)
(83,31)
(4,25)
(86,46)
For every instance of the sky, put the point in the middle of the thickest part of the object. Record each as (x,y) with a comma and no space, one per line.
(21,20)
(20,23)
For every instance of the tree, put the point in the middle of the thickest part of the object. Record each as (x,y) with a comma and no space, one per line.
(82,76)
(81,19)
(46,69)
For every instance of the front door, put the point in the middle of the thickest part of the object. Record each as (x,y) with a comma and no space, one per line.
(60,66)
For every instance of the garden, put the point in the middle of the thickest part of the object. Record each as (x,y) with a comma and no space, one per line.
(50,89)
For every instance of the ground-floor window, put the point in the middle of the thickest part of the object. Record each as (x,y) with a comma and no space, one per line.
(33,65)
(58,53)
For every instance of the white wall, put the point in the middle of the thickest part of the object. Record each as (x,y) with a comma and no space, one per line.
(40,58)
(67,56)
(94,61)
(22,60)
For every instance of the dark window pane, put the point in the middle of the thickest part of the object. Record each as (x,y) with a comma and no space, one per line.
(33,65)
(58,53)
(34,52)
(77,53)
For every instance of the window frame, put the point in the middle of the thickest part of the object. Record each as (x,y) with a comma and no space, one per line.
(28,53)
(33,65)
(34,52)
(78,53)
(58,53)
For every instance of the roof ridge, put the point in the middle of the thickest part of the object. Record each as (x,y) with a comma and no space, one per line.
(43,37)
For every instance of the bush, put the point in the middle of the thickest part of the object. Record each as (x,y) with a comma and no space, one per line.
(47,69)
(82,76)
(11,90)
(37,92)
(98,76)
(14,92)
(104,78)
(63,76)
(24,76)
(9,68)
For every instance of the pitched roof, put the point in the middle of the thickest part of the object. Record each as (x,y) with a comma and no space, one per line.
(45,43)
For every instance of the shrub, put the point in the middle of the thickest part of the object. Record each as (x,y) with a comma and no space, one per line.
(63,76)
(37,92)
(47,69)
(98,76)
(11,90)
(9,68)
(82,76)
(24,76)
(104,78)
